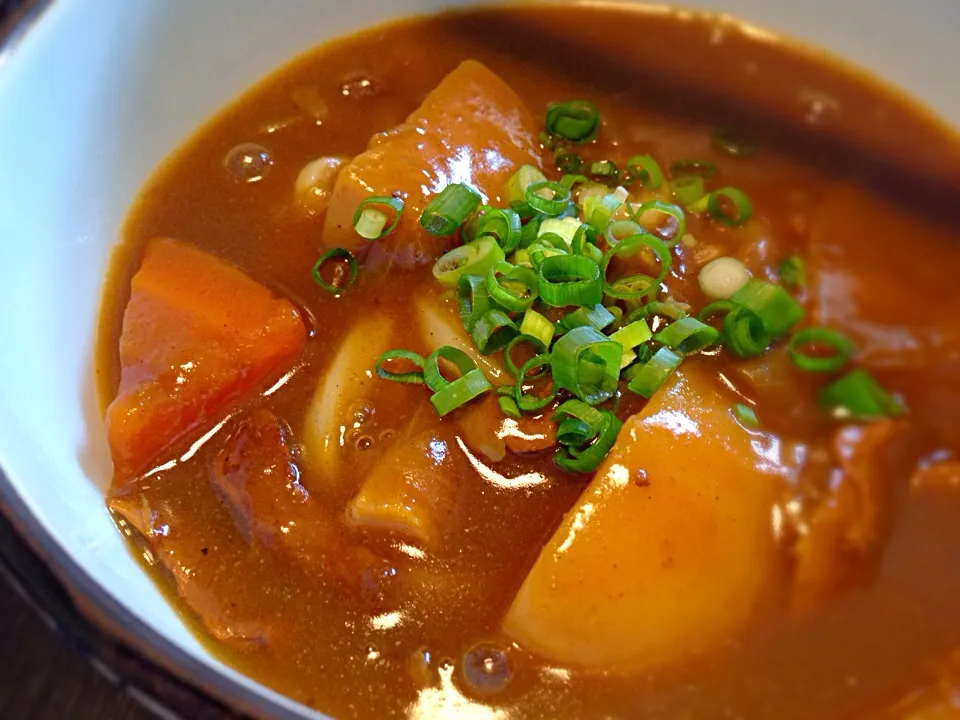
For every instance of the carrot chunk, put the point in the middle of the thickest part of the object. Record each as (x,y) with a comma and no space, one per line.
(197,334)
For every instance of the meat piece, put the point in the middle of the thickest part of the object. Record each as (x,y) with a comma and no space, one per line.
(486,430)
(846,533)
(412,489)
(157,531)
(669,549)
(860,258)
(197,334)
(472,128)
(256,476)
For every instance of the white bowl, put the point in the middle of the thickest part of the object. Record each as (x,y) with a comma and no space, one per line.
(93,95)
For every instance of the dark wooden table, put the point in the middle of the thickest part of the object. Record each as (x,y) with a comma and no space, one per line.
(41,676)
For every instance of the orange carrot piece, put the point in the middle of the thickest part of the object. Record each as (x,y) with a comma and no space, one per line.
(197,334)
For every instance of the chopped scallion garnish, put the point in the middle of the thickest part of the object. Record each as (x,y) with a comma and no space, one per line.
(332,255)
(746,416)
(475,258)
(687,335)
(370,220)
(652,374)
(687,189)
(857,396)
(576,121)
(587,363)
(635,286)
(841,349)
(569,280)
(447,210)
(399,355)
(645,169)
(792,271)
(741,207)
(771,303)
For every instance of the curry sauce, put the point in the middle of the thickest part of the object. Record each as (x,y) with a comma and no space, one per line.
(855,610)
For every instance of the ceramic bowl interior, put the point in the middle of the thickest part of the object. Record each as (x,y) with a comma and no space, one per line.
(92,97)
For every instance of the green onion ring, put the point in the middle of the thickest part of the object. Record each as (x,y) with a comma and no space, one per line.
(508,364)
(460,391)
(415,377)
(653,373)
(492,331)
(527,402)
(687,335)
(645,169)
(841,345)
(394,203)
(431,366)
(587,459)
(741,205)
(744,333)
(622,288)
(555,204)
(504,225)
(587,363)
(577,120)
(503,296)
(669,209)
(335,254)
(569,280)
(447,210)
(687,189)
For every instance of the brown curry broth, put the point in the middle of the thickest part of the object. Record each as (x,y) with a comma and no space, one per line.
(866,646)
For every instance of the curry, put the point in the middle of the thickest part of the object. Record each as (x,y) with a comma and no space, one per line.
(548,362)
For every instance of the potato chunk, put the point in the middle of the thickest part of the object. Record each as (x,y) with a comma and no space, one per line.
(670,548)
(472,128)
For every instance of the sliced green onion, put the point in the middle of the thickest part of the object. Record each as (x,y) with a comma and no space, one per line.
(569,280)
(635,286)
(578,422)
(670,210)
(715,308)
(547,141)
(548,197)
(583,240)
(778,311)
(508,363)
(598,209)
(744,333)
(568,162)
(792,271)
(699,168)
(858,396)
(539,252)
(735,143)
(587,459)
(577,121)
(528,233)
(604,171)
(688,189)
(742,209)
(527,402)
(473,300)
(504,225)
(536,325)
(371,223)
(645,169)
(333,254)
(508,406)
(722,277)
(474,258)
(569,181)
(415,377)
(587,363)
(648,378)
(522,257)
(512,287)
(687,335)
(668,309)
(492,331)
(841,346)
(617,230)
(700,206)
(431,365)
(460,391)
(596,316)
(745,416)
(565,228)
(446,211)
(515,191)
(629,336)
(617,313)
